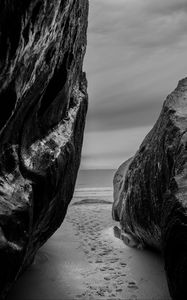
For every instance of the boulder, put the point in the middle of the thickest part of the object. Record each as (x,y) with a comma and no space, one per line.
(43,96)
(150,190)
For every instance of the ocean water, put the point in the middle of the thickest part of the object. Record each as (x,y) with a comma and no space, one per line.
(94,184)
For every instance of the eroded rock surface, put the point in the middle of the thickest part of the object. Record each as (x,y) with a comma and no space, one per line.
(150,190)
(43,94)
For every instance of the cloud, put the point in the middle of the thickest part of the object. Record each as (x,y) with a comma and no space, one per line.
(117,147)
(136,54)
(144,23)
(166,7)
(116,117)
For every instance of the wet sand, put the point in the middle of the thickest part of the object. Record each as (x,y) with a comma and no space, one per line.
(83,260)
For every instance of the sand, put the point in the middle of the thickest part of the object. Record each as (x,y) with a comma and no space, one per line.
(84,260)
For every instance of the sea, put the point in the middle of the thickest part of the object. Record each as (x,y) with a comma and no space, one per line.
(94,183)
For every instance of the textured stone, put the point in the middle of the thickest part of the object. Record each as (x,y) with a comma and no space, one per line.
(150,190)
(43,95)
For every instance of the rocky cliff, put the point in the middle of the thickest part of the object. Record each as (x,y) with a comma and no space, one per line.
(150,190)
(43,94)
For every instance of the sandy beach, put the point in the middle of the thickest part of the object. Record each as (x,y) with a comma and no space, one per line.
(83,259)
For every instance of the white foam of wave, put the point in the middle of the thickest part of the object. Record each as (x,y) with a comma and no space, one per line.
(93,192)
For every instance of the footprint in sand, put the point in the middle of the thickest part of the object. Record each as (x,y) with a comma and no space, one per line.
(89,221)
(132,285)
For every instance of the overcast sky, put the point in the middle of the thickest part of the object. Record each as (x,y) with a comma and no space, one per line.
(136,54)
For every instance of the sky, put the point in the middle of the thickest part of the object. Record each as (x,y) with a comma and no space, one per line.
(136,54)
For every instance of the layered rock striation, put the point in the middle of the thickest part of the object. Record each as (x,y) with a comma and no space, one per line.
(150,190)
(43,94)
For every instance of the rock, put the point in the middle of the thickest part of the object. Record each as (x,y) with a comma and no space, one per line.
(127,239)
(43,94)
(150,190)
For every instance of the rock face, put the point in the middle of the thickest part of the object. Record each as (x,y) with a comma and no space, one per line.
(43,94)
(150,190)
